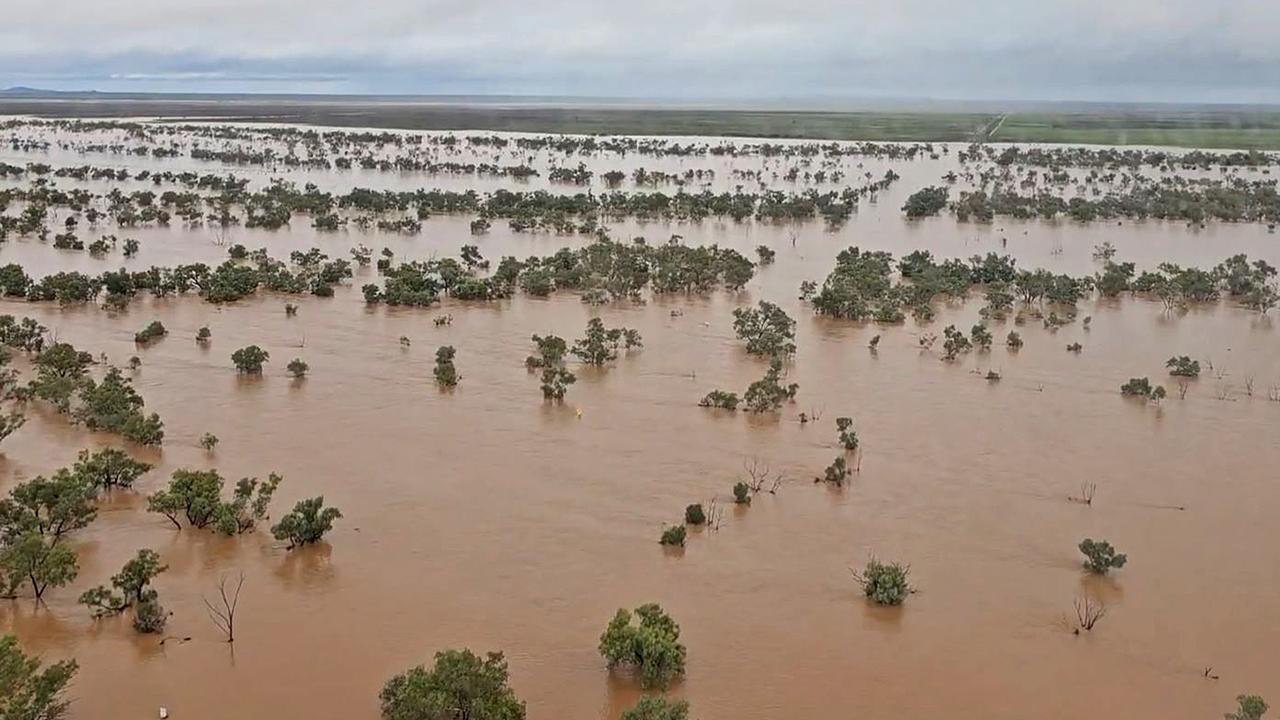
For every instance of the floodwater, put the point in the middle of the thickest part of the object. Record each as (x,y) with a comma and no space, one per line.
(486,518)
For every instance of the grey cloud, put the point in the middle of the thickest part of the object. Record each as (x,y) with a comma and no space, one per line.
(1049,49)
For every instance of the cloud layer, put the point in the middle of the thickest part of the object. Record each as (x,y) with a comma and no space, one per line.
(1142,50)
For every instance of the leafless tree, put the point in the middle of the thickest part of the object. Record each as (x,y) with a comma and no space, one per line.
(759,474)
(1182,389)
(223,611)
(1248,385)
(1087,489)
(715,514)
(1088,613)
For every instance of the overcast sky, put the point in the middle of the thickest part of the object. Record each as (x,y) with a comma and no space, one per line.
(1139,50)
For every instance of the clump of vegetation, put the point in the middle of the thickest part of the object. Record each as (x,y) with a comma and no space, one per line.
(446,373)
(651,648)
(460,685)
(1014,340)
(720,399)
(767,330)
(925,202)
(1248,707)
(600,344)
(307,523)
(741,493)
(655,707)
(1183,366)
(836,473)
(298,368)
(196,496)
(203,335)
(32,692)
(955,343)
(154,331)
(848,436)
(1141,387)
(695,515)
(673,536)
(551,352)
(248,360)
(884,583)
(981,336)
(1100,557)
(130,588)
(208,441)
(1075,347)
(768,393)
(108,469)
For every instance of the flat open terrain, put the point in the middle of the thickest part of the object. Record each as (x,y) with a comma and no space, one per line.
(1206,126)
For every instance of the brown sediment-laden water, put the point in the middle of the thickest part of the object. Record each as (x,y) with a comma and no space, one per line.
(485,517)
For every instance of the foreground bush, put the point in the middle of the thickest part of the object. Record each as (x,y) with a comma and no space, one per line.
(459,686)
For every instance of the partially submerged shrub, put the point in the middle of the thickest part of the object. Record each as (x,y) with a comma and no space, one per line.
(446,373)
(459,685)
(1100,557)
(249,359)
(768,393)
(153,331)
(298,367)
(694,515)
(673,536)
(720,399)
(307,523)
(652,648)
(1183,366)
(884,583)
(848,436)
(656,707)
(741,493)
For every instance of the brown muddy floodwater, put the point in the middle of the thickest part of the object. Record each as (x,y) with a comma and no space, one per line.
(486,518)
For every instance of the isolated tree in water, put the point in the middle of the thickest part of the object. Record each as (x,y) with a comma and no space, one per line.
(249,360)
(306,523)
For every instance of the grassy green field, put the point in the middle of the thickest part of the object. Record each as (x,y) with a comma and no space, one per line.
(1207,127)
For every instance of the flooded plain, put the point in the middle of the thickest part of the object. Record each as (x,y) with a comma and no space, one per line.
(487,518)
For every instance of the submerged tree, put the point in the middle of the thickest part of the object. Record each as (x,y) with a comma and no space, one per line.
(651,648)
(884,583)
(1183,366)
(600,344)
(459,686)
(673,536)
(768,393)
(249,359)
(196,495)
(767,330)
(556,381)
(307,523)
(129,588)
(109,468)
(720,399)
(1100,557)
(848,436)
(446,373)
(36,561)
(1248,707)
(656,707)
(298,368)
